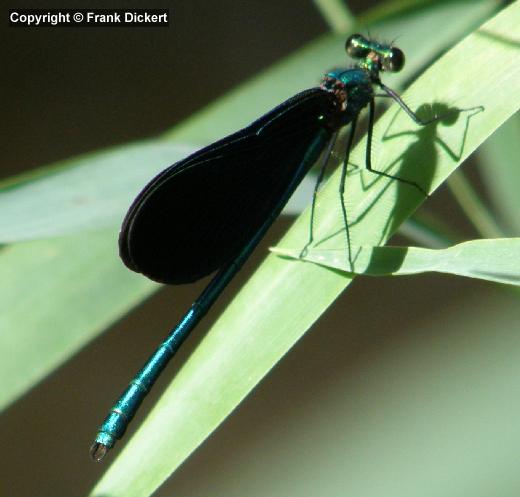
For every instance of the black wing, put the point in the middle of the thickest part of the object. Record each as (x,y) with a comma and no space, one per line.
(198,214)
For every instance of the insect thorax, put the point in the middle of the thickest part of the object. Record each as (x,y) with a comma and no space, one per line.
(352,88)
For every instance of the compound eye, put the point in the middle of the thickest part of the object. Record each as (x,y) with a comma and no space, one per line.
(394,61)
(356,46)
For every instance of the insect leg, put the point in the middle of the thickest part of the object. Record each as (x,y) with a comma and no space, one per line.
(421,122)
(319,180)
(342,187)
(368,159)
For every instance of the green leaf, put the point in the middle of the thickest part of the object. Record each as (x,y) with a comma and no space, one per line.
(52,303)
(336,14)
(473,206)
(284,298)
(499,166)
(490,259)
(87,193)
(402,402)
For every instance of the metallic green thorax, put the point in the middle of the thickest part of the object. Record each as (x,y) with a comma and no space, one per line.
(352,88)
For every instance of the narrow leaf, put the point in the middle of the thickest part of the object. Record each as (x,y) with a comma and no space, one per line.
(88,193)
(499,166)
(35,336)
(490,259)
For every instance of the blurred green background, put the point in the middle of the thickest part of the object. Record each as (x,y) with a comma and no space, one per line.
(407,388)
